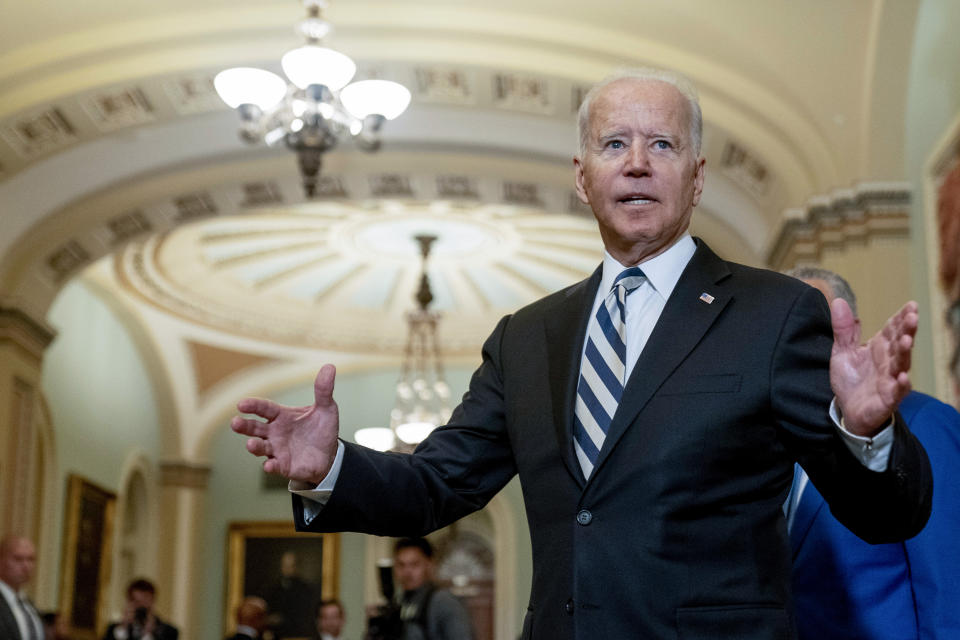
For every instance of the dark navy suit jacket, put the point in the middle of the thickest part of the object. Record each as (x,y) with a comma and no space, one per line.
(679,531)
(846,589)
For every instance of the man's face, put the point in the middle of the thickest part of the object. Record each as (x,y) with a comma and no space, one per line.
(639,173)
(330,620)
(17,561)
(141,599)
(412,568)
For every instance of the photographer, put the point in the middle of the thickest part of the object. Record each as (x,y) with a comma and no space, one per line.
(422,611)
(139,621)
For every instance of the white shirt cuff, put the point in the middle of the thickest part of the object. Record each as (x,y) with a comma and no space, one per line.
(872,452)
(315,497)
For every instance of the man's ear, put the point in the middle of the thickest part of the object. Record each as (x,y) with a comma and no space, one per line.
(698,180)
(578,177)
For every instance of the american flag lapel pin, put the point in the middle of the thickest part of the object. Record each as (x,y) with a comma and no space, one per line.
(706,297)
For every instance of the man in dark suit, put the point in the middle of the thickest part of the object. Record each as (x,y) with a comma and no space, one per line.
(653,414)
(139,622)
(19,619)
(845,588)
(251,619)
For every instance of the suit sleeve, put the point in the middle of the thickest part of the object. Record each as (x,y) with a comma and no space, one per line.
(878,507)
(454,472)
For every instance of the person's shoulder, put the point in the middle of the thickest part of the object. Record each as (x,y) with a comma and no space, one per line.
(918,408)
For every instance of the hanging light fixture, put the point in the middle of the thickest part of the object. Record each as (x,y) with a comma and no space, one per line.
(317,106)
(422,395)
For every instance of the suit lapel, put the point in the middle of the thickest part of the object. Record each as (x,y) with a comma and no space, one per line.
(8,624)
(684,321)
(566,328)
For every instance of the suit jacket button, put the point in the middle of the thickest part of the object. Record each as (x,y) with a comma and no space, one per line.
(568,607)
(584,517)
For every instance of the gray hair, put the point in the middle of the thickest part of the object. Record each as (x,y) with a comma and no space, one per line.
(840,287)
(677,80)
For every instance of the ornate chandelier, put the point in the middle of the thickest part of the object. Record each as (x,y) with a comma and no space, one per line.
(422,395)
(318,106)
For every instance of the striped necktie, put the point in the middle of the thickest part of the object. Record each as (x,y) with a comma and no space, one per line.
(602,370)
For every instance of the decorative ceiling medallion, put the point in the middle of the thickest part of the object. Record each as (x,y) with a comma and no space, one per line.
(338,276)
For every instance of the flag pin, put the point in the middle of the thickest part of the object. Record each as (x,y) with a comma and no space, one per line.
(706,297)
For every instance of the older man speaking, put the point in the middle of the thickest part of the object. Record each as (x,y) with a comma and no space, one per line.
(653,413)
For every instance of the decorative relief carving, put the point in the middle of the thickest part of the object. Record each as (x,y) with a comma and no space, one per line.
(127,226)
(193,94)
(330,187)
(122,107)
(444,84)
(522,193)
(577,94)
(195,205)
(257,194)
(521,92)
(67,259)
(391,185)
(745,169)
(459,187)
(40,132)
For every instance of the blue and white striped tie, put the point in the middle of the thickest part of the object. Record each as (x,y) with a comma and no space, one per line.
(602,370)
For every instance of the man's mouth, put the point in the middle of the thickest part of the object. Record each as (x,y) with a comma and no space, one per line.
(639,198)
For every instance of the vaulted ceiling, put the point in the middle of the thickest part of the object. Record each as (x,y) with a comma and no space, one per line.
(113,143)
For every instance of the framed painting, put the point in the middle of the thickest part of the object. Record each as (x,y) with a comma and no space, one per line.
(85,556)
(292,571)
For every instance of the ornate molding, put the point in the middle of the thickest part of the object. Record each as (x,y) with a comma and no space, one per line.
(185,475)
(845,218)
(23,331)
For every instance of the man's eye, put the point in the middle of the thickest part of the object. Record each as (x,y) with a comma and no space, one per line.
(615,144)
(662,144)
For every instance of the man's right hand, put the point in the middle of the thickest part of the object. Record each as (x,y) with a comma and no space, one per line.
(300,443)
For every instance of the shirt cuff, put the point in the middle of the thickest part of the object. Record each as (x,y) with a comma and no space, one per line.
(872,452)
(315,497)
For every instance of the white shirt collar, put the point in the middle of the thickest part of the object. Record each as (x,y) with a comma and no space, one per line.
(663,270)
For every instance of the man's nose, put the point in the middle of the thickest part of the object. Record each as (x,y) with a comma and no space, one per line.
(637,161)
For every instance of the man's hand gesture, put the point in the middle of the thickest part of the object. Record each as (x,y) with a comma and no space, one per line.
(299,443)
(869,380)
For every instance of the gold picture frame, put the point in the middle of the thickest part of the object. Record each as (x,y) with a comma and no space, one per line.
(86,556)
(254,553)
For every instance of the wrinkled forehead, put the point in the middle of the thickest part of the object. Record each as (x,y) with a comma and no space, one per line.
(628,99)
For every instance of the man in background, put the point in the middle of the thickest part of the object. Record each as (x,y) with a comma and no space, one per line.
(330,620)
(139,621)
(19,620)
(251,619)
(845,588)
(427,612)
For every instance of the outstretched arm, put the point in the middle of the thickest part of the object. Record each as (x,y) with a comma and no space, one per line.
(300,443)
(869,380)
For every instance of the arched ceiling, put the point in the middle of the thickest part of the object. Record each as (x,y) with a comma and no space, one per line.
(112,142)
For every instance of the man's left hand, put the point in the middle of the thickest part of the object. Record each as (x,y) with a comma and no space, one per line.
(869,380)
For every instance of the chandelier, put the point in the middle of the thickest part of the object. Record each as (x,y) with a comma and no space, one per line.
(317,106)
(422,395)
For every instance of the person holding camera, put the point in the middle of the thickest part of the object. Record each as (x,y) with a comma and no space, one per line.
(139,621)
(422,611)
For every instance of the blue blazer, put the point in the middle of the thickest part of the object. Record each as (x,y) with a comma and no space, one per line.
(846,588)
